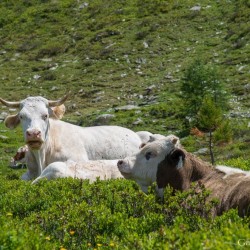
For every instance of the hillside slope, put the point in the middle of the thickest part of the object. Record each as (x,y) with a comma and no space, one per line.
(114,53)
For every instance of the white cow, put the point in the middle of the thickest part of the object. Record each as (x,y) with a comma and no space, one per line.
(91,170)
(50,139)
(142,167)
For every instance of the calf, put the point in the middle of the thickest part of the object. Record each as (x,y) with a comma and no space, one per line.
(91,170)
(232,188)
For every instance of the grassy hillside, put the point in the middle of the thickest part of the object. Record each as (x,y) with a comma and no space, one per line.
(114,53)
(110,54)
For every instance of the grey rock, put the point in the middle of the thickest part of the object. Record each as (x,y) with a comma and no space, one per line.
(196,8)
(83,5)
(3,115)
(36,77)
(237,114)
(104,119)
(138,121)
(3,137)
(202,151)
(127,107)
(54,88)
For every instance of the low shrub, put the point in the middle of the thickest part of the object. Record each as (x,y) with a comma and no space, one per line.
(114,214)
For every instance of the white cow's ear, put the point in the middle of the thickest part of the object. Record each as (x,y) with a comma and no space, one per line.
(57,112)
(12,121)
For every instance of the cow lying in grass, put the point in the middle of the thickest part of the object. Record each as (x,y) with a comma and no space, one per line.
(19,160)
(180,168)
(91,170)
(177,168)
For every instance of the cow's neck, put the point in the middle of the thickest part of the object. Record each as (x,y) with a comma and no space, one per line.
(40,156)
(200,169)
(194,169)
(40,160)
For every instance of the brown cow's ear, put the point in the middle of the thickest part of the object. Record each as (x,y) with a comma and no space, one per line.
(57,112)
(12,121)
(177,157)
(174,140)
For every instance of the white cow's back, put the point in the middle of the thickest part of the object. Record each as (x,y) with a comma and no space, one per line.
(102,169)
(69,141)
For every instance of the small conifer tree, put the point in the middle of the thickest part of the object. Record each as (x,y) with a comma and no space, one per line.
(209,119)
(204,100)
(201,81)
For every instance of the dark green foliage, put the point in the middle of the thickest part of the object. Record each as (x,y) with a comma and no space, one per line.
(202,81)
(209,116)
(210,119)
(224,132)
(110,214)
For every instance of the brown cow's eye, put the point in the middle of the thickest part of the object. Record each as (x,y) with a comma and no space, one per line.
(148,155)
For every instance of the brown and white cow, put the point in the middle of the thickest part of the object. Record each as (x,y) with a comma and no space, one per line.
(177,168)
(50,139)
(19,159)
(91,170)
(180,168)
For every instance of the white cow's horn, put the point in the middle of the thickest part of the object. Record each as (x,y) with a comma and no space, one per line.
(10,104)
(58,102)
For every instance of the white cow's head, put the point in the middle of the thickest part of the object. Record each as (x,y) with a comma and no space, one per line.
(34,118)
(142,167)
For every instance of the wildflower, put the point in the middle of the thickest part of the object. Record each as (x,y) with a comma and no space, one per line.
(47,238)
(62,248)
(112,244)
(89,244)
(72,232)
(99,245)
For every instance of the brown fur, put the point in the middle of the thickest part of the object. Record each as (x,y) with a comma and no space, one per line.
(19,156)
(232,191)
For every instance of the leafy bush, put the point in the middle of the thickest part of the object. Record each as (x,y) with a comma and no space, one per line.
(115,214)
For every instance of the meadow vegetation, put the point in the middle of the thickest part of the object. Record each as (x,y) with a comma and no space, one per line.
(110,54)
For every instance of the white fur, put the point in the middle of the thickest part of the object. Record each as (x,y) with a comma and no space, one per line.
(91,170)
(231,170)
